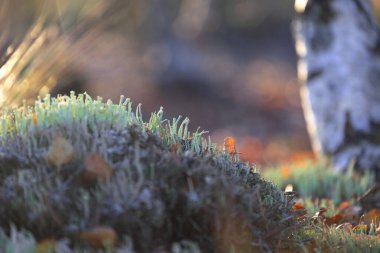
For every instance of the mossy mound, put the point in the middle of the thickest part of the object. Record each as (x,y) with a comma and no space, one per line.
(72,165)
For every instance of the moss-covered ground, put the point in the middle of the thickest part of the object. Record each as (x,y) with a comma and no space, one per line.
(83,175)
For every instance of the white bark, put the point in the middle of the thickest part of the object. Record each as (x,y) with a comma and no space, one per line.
(338,45)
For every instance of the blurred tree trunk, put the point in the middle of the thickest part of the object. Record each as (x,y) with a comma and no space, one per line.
(338,45)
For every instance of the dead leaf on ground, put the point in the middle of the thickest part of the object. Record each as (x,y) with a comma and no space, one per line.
(97,168)
(60,151)
(34,119)
(229,146)
(333,220)
(343,206)
(372,215)
(100,237)
(45,246)
(362,228)
(298,206)
(350,213)
(299,209)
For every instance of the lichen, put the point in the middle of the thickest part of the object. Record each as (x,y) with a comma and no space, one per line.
(169,189)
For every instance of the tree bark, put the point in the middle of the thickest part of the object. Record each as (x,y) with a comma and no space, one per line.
(338,45)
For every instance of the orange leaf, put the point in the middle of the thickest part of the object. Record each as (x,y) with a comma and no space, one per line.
(333,220)
(100,237)
(45,246)
(229,145)
(360,228)
(34,119)
(285,172)
(60,151)
(299,209)
(344,205)
(298,206)
(97,168)
(372,215)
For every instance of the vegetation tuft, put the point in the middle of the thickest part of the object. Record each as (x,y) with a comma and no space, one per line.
(81,175)
(319,181)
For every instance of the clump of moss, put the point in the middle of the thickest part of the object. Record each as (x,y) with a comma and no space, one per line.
(166,189)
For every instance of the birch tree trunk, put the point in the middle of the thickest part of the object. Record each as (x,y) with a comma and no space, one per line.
(338,45)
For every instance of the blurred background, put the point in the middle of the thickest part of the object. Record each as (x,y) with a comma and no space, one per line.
(228,65)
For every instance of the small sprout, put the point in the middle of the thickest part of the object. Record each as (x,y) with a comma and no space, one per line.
(46,246)
(97,168)
(100,237)
(60,151)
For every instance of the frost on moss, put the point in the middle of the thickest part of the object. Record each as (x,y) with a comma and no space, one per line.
(169,188)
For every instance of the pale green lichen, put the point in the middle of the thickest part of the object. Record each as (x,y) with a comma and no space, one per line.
(171,190)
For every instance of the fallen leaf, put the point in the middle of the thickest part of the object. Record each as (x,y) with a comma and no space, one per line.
(34,119)
(60,151)
(362,228)
(333,220)
(372,215)
(100,237)
(298,206)
(343,206)
(299,209)
(350,213)
(45,246)
(97,168)
(229,145)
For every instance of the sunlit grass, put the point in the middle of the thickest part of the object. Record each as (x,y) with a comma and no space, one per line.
(317,181)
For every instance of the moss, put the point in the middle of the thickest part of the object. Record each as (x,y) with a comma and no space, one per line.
(169,189)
